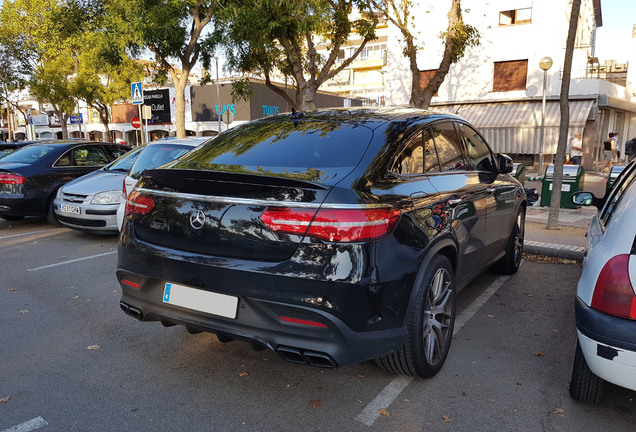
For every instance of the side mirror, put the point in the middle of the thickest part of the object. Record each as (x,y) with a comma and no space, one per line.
(504,163)
(587,199)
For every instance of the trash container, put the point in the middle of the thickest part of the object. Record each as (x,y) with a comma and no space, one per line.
(519,172)
(613,175)
(573,177)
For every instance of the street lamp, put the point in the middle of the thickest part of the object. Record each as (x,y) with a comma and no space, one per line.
(545,63)
(218,98)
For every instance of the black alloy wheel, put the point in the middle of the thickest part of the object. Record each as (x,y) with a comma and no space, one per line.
(430,325)
(510,262)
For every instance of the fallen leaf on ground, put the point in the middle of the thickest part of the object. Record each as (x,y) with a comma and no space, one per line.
(447,419)
(76,297)
(4,399)
(559,411)
(490,316)
(24,311)
(12,289)
(384,412)
(539,354)
(93,347)
(316,403)
(242,374)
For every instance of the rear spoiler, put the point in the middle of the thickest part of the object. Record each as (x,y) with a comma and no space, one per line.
(186,179)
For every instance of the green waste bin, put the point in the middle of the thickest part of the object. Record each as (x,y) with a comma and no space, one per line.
(573,178)
(613,175)
(519,172)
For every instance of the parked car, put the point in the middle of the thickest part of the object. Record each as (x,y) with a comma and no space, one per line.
(31,176)
(90,203)
(330,237)
(156,153)
(605,306)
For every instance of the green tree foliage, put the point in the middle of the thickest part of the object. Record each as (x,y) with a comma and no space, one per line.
(283,37)
(457,38)
(173,31)
(35,32)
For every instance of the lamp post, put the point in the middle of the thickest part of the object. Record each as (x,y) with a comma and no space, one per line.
(545,63)
(218,98)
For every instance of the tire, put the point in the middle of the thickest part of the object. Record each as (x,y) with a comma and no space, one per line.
(510,262)
(11,218)
(430,324)
(50,214)
(585,386)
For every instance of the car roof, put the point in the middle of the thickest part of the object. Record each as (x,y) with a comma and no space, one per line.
(367,115)
(190,140)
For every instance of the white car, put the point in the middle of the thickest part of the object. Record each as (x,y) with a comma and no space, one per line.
(90,203)
(155,154)
(605,305)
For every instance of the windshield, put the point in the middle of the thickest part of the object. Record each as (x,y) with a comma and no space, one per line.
(125,162)
(156,155)
(28,154)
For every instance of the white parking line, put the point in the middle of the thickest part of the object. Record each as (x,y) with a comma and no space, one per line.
(30,425)
(370,414)
(32,233)
(72,261)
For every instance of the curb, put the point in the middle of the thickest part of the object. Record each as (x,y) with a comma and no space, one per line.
(575,253)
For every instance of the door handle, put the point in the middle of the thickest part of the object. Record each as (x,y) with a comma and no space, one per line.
(490,191)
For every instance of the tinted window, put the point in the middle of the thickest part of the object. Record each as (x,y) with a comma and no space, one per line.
(300,144)
(28,154)
(477,149)
(448,148)
(411,159)
(117,150)
(155,155)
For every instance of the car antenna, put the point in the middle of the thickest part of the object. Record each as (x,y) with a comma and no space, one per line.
(296,114)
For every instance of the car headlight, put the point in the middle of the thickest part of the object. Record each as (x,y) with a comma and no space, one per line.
(108,197)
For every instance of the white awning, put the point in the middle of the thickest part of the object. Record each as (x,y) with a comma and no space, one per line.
(515,127)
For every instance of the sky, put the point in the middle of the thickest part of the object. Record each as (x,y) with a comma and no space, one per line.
(614,37)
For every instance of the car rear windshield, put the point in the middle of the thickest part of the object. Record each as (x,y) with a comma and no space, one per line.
(125,162)
(278,145)
(155,155)
(28,154)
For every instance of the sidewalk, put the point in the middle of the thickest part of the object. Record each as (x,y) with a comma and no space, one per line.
(569,241)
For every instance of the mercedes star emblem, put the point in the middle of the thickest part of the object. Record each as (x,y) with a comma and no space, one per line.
(197,219)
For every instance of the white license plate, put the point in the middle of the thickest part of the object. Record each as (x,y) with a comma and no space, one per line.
(65,208)
(200,300)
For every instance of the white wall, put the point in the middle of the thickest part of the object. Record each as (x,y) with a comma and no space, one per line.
(471,78)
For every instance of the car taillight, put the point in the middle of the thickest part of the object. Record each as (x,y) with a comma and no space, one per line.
(139,204)
(334,225)
(613,293)
(11,179)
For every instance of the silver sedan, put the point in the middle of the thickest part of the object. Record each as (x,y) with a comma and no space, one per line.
(90,203)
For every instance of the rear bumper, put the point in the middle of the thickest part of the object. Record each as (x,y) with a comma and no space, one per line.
(608,344)
(357,321)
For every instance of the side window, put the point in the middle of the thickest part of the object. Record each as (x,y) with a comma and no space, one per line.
(449,151)
(117,151)
(478,151)
(90,156)
(411,159)
(431,162)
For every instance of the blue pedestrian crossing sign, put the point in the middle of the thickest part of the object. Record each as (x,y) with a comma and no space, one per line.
(137,93)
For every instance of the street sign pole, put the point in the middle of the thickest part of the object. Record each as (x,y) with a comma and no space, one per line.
(138,99)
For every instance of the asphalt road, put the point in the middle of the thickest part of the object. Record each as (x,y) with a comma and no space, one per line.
(70,360)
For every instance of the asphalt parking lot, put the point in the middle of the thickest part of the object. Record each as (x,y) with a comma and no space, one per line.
(70,360)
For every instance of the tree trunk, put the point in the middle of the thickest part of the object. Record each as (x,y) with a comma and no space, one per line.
(555,201)
(63,118)
(179,104)
(308,96)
